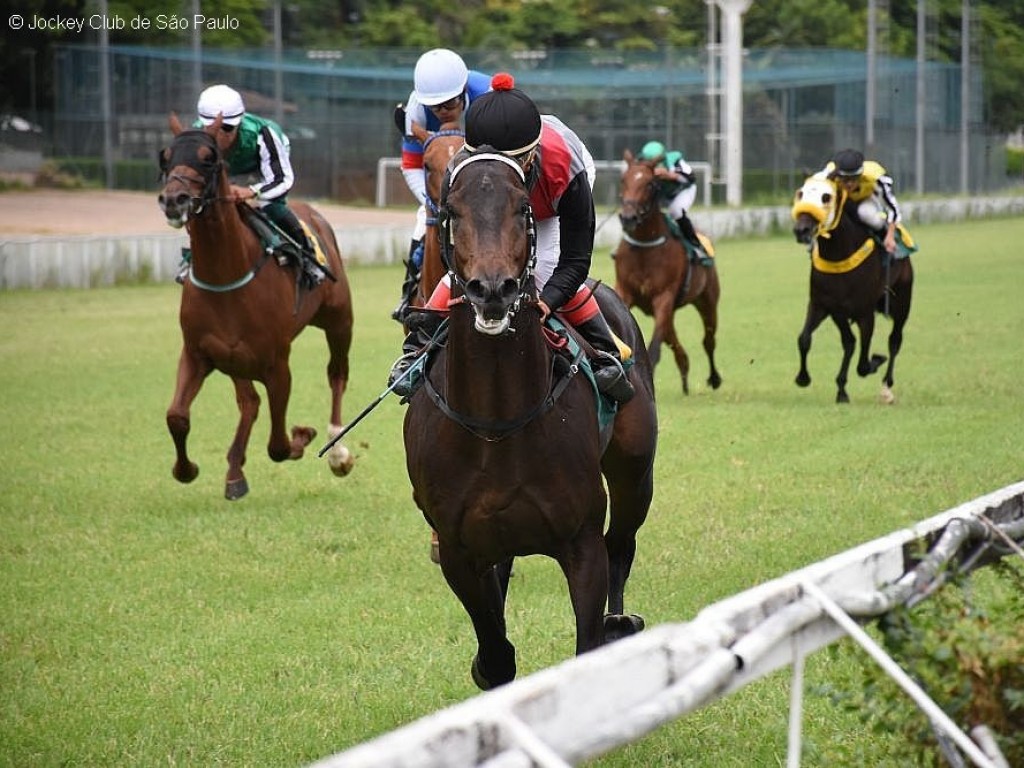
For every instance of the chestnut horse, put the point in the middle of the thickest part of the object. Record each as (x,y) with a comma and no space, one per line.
(439,147)
(653,271)
(851,279)
(503,445)
(240,311)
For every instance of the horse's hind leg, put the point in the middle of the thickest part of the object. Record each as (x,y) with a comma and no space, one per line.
(900,309)
(189,381)
(339,339)
(707,307)
(630,490)
(866,362)
(235,484)
(483,597)
(586,572)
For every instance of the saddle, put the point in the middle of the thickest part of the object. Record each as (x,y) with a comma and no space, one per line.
(705,259)
(311,267)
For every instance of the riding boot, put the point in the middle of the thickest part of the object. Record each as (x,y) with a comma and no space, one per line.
(423,328)
(410,282)
(609,374)
(690,235)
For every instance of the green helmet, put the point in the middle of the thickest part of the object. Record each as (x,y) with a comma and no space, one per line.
(653,150)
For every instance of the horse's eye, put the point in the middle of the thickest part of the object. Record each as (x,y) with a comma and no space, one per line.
(799,194)
(826,198)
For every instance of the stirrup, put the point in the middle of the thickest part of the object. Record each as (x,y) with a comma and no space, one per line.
(411,382)
(611,379)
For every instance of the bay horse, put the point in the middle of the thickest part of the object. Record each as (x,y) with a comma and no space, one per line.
(503,445)
(852,278)
(653,270)
(240,311)
(439,147)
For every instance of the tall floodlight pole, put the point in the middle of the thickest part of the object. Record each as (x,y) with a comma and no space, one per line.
(919,115)
(869,92)
(965,93)
(105,107)
(197,50)
(732,40)
(278,76)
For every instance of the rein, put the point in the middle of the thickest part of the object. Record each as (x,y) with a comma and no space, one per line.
(495,431)
(432,208)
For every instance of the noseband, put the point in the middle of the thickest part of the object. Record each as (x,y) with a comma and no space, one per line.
(184,150)
(524,281)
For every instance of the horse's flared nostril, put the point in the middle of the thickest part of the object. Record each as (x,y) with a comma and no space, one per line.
(181,199)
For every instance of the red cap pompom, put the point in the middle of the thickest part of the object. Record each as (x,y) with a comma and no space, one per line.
(502,82)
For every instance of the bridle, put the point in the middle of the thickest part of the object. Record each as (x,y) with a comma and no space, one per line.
(209,170)
(650,202)
(524,281)
(184,151)
(432,208)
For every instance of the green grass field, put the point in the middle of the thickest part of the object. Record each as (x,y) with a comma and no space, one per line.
(145,622)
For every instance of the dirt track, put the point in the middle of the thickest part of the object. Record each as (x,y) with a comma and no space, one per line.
(92,212)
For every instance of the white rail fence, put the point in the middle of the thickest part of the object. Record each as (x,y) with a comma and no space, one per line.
(88,261)
(389,165)
(591,704)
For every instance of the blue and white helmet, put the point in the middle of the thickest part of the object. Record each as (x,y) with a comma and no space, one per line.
(440,75)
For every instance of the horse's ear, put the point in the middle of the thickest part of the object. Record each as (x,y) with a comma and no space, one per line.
(627,155)
(174,123)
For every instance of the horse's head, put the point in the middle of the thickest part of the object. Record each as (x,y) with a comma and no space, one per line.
(638,192)
(488,235)
(439,147)
(817,207)
(190,169)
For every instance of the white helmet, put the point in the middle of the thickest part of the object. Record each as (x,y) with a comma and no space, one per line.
(440,75)
(219,99)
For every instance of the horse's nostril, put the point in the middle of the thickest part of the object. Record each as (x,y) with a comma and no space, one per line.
(509,289)
(181,199)
(475,290)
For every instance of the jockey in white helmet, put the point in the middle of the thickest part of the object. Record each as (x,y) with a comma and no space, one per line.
(443,87)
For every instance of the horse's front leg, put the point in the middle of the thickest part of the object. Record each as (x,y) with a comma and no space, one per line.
(281,446)
(849,342)
(191,374)
(815,315)
(248,401)
(483,597)
(664,322)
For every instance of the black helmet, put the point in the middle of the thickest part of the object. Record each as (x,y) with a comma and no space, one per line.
(504,118)
(849,163)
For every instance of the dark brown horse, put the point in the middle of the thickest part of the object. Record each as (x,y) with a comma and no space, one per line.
(851,280)
(439,147)
(240,311)
(503,445)
(654,273)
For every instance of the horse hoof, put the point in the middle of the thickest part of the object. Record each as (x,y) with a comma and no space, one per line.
(301,437)
(482,681)
(618,626)
(186,475)
(803,380)
(887,396)
(340,460)
(714,381)
(236,489)
(842,397)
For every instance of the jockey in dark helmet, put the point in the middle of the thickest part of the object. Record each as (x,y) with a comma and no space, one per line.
(867,183)
(560,176)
